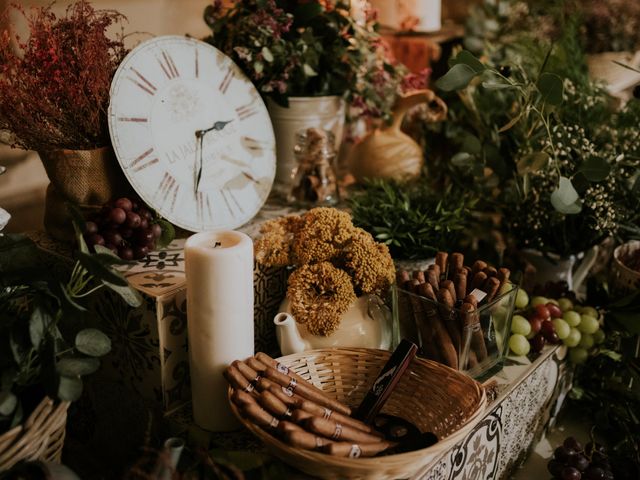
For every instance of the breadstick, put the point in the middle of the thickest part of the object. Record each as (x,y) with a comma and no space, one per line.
(491,286)
(447,315)
(456,261)
(470,320)
(441,261)
(305,390)
(448,284)
(349,450)
(440,335)
(260,417)
(478,266)
(305,440)
(433,278)
(337,431)
(460,282)
(477,282)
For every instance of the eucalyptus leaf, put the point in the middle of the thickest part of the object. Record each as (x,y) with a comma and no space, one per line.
(100,270)
(69,388)
(471,144)
(127,293)
(168,233)
(532,162)
(77,366)
(462,159)
(93,342)
(39,321)
(8,403)
(465,57)
(457,78)
(565,199)
(551,88)
(595,169)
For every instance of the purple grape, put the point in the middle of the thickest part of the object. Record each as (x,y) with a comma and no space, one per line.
(90,228)
(113,238)
(594,473)
(124,203)
(579,462)
(573,444)
(126,232)
(562,453)
(555,468)
(570,473)
(117,216)
(144,236)
(140,252)
(94,239)
(151,245)
(156,229)
(125,253)
(133,220)
(144,224)
(111,247)
(146,214)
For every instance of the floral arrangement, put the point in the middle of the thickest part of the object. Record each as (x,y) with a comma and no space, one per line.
(310,48)
(54,87)
(541,144)
(335,262)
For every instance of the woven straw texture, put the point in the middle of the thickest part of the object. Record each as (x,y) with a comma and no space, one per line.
(87,178)
(40,437)
(623,279)
(434,397)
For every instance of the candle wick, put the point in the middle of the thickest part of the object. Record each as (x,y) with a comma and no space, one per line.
(217,244)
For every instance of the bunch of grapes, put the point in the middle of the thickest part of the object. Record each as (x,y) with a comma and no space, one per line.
(553,321)
(572,462)
(126,227)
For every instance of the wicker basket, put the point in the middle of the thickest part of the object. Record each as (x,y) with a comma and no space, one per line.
(40,437)
(434,397)
(623,279)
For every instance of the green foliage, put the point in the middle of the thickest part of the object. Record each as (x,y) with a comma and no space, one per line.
(45,346)
(411,219)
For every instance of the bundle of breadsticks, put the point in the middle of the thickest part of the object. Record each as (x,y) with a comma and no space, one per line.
(276,399)
(449,324)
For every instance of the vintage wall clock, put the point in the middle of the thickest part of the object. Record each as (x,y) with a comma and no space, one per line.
(191,133)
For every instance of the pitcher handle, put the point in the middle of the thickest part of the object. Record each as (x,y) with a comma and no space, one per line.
(437,108)
(584,267)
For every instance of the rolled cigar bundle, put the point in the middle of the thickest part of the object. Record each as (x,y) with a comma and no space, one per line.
(456,262)
(304,440)
(259,416)
(491,286)
(441,261)
(337,431)
(350,450)
(305,390)
(471,320)
(441,338)
(449,285)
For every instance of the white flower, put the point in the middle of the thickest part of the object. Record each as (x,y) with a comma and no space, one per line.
(4,218)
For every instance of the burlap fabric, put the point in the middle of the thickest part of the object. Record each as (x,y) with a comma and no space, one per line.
(87,178)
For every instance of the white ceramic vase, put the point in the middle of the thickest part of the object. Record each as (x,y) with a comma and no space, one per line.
(572,269)
(326,112)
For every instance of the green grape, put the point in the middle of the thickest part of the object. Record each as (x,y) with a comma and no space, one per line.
(522,299)
(573,339)
(578,355)
(539,301)
(561,327)
(598,337)
(586,341)
(592,312)
(565,304)
(588,324)
(519,344)
(520,325)
(572,318)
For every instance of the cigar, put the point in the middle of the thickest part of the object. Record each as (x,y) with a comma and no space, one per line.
(503,276)
(490,271)
(337,431)
(349,450)
(305,390)
(436,269)
(402,277)
(478,266)
(426,334)
(447,314)
(419,275)
(472,300)
(237,380)
(471,321)
(460,282)
(456,261)
(267,360)
(434,279)
(491,286)
(317,410)
(273,404)
(441,338)
(304,440)
(441,261)
(478,281)
(247,372)
(472,360)
(409,328)
(241,398)
(300,416)
(256,364)
(258,416)
(449,285)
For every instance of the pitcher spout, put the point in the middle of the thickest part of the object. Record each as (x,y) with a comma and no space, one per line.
(288,335)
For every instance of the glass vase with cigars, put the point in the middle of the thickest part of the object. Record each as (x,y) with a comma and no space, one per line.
(459,315)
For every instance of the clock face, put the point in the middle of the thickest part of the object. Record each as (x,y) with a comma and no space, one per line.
(191,133)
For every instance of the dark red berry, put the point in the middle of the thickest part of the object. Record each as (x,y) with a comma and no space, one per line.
(133,220)
(143,237)
(144,224)
(126,232)
(94,239)
(157,230)
(140,252)
(90,227)
(113,238)
(117,216)
(124,203)
(125,253)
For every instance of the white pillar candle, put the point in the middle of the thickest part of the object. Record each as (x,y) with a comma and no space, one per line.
(219,271)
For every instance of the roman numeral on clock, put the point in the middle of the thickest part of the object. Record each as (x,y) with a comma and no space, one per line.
(142,82)
(168,191)
(247,110)
(226,81)
(141,162)
(228,194)
(167,65)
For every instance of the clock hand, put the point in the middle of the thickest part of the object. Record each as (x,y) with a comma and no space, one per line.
(217,126)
